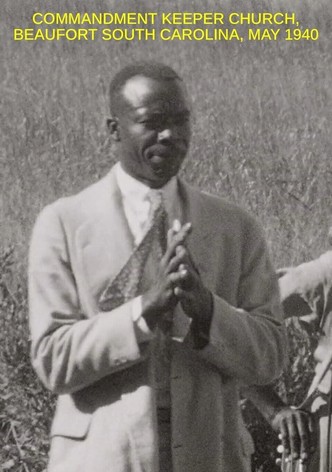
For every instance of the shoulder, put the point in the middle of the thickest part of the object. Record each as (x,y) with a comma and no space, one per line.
(309,275)
(221,212)
(325,261)
(77,207)
(322,265)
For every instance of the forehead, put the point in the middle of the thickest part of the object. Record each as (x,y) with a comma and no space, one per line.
(144,92)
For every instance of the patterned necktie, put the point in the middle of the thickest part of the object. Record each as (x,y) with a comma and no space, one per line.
(126,284)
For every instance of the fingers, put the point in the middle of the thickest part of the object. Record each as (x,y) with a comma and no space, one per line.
(311,423)
(187,259)
(176,278)
(177,263)
(284,433)
(181,256)
(176,227)
(176,236)
(182,294)
(176,239)
(297,434)
(176,252)
(306,433)
(294,438)
(311,429)
(303,430)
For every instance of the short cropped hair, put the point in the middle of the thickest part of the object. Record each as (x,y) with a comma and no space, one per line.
(152,70)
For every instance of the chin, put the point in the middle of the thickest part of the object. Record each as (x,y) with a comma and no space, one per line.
(160,180)
(158,183)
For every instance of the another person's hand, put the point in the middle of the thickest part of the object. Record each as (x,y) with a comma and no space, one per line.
(297,431)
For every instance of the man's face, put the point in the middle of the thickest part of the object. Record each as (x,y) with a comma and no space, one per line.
(153,128)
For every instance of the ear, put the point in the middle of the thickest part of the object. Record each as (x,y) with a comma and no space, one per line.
(113,126)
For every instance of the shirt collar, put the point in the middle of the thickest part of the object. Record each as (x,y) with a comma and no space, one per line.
(132,189)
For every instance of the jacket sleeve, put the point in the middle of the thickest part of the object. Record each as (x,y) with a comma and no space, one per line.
(248,341)
(70,350)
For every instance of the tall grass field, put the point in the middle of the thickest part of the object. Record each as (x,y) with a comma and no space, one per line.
(261,138)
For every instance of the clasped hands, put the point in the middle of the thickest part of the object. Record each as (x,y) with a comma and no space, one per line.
(177,281)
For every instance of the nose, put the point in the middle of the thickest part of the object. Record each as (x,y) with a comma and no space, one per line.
(164,135)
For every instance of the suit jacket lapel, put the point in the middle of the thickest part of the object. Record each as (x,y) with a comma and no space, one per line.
(105,239)
(199,244)
(201,240)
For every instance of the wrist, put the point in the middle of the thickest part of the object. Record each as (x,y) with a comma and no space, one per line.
(147,311)
(152,311)
(204,310)
(202,323)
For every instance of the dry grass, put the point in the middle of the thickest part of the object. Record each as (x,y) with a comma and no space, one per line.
(261,138)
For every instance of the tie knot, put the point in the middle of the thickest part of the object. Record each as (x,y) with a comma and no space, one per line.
(156,199)
(155,195)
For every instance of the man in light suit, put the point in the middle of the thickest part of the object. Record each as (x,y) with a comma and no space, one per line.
(135,395)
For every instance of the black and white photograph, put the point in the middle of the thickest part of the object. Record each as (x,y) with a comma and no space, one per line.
(165,236)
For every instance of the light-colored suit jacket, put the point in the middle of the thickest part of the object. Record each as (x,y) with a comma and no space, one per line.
(105,419)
